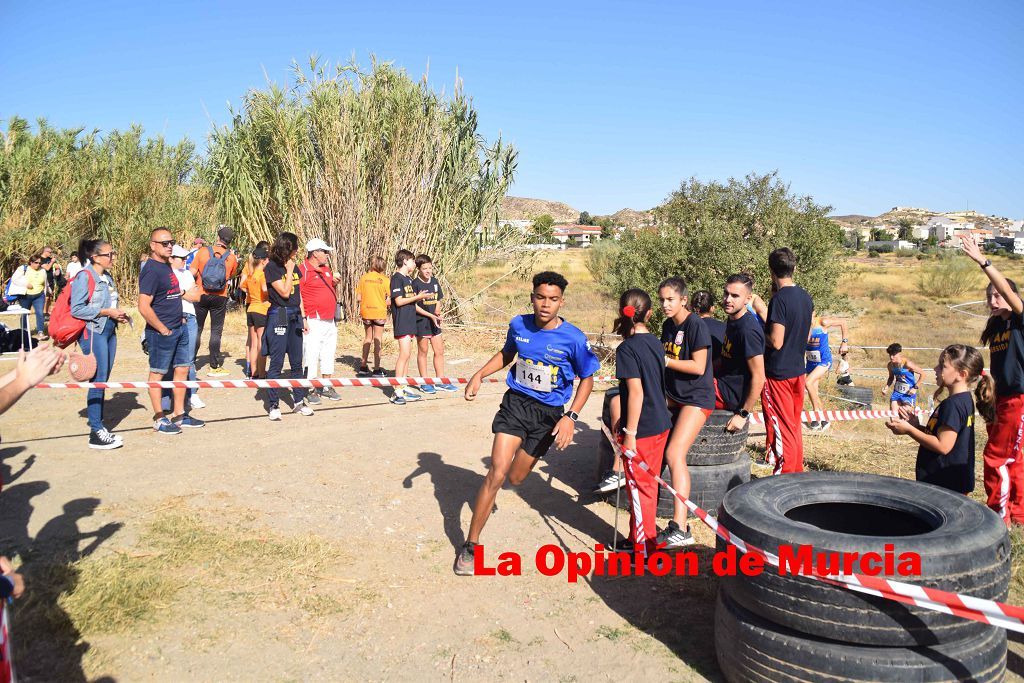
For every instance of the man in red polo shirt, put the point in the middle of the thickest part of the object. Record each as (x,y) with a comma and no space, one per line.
(213,267)
(320,299)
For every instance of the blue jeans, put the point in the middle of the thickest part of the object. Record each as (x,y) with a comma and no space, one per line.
(283,336)
(168,352)
(103,345)
(192,332)
(34,301)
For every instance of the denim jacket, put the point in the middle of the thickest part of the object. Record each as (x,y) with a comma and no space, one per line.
(84,309)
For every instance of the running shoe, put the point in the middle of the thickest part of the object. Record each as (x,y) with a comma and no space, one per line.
(673,538)
(612,480)
(363,371)
(274,414)
(380,372)
(165,426)
(196,403)
(104,440)
(218,372)
(451,388)
(624,546)
(411,395)
(464,561)
(330,394)
(303,409)
(427,389)
(313,398)
(186,421)
(825,424)
(397,398)
(813,425)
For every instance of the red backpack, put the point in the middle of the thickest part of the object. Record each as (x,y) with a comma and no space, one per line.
(65,329)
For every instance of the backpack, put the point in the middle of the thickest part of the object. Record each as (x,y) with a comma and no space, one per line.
(215,272)
(65,329)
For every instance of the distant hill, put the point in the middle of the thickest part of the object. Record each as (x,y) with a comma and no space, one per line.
(524,208)
(631,218)
(919,216)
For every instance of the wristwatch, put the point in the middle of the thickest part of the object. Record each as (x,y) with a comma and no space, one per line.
(986,264)
(572,416)
(742,413)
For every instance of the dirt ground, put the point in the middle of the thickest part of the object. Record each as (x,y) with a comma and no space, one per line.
(387,488)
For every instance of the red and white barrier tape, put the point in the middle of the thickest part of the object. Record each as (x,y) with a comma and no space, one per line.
(278,383)
(986,611)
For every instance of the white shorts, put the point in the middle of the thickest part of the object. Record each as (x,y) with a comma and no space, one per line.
(319,347)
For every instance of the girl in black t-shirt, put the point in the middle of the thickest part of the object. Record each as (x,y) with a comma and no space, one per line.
(946,454)
(644,424)
(286,321)
(690,393)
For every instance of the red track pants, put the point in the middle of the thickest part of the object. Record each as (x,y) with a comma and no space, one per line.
(643,490)
(1004,470)
(782,401)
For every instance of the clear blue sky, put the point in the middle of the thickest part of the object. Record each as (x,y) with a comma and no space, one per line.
(863,105)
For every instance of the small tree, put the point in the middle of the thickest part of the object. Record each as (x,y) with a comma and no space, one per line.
(585,219)
(607,227)
(542,228)
(879,234)
(906,229)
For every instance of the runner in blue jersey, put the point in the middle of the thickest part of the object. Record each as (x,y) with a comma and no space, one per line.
(904,376)
(819,362)
(549,354)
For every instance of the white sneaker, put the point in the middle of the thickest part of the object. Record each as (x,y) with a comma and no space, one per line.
(274,414)
(196,403)
(303,409)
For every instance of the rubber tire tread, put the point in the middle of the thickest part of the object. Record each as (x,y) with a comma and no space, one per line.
(714,445)
(967,552)
(862,395)
(708,485)
(750,648)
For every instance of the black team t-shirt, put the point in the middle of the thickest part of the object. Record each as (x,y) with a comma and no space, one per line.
(275,273)
(793,308)
(642,356)
(404,316)
(955,470)
(744,338)
(680,341)
(1007,350)
(159,281)
(716,328)
(430,303)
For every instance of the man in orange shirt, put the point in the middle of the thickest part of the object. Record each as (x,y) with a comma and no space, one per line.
(212,268)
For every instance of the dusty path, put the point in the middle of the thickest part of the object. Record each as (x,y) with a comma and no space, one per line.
(388,486)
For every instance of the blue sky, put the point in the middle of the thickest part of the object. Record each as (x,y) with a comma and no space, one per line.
(862,105)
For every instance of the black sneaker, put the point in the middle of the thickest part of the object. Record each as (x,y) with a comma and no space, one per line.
(464,560)
(380,372)
(363,371)
(813,425)
(624,546)
(610,481)
(673,538)
(104,440)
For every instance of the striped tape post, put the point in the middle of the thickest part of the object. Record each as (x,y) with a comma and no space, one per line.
(986,611)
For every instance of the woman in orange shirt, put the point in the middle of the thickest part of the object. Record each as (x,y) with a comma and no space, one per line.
(256,313)
(374,299)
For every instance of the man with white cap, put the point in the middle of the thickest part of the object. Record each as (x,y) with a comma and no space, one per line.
(318,288)
(189,295)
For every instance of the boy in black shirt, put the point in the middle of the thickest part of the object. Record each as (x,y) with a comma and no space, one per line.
(403,311)
(739,373)
(789,321)
(428,323)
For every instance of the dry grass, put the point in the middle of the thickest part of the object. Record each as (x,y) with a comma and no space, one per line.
(183,557)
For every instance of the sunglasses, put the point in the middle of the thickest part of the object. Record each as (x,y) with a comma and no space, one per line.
(164,243)
(109,254)
(34,263)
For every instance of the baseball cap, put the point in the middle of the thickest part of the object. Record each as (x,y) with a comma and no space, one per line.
(317,243)
(199,240)
(225,234)
(179,251)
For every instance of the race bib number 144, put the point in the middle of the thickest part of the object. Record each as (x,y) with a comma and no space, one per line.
(536,376)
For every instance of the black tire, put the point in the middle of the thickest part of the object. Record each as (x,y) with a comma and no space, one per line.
(714,445)
(750,648)
(708,485)
(964,548)
(857,397)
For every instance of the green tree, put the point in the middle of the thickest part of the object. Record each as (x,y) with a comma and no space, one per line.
(607,227)
(542,228)
(707,231)
(906,229)
(879,234)
(585,219)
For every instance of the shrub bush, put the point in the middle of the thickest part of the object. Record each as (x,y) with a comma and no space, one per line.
(873,253)
(950,276)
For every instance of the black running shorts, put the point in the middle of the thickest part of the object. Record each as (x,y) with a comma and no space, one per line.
(256,319)
(529,419)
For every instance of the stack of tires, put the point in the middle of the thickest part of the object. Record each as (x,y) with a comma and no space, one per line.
(774,627)
(717,462)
